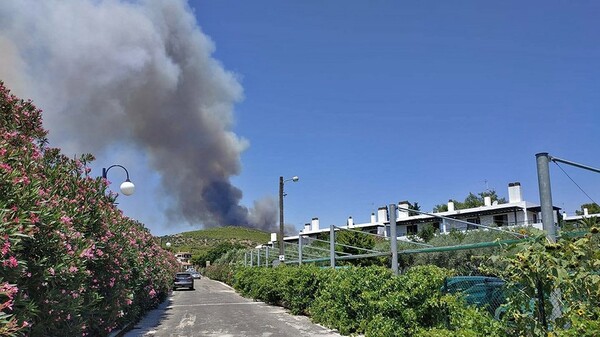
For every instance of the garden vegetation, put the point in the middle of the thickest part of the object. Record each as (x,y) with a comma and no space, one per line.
(72,263)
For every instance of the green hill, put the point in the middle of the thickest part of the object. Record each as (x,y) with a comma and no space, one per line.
(201,241)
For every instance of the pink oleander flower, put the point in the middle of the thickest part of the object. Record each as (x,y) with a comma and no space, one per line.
(11,262)
(66,220)
(34,218)
(73,269)
(5,246)
(51,271)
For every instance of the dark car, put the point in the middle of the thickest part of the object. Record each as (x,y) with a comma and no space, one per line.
(183,280)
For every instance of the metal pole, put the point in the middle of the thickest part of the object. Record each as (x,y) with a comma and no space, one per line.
(585,167)
(394,238)
(332,246)
(299,249)
(267,256)
(281,250)
(543,172)
(251,259)
(245,259)
(258,258)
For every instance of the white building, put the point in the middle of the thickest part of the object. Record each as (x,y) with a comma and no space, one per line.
(576,218)
(516,212)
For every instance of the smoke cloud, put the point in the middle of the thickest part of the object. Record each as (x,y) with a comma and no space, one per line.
(139,73)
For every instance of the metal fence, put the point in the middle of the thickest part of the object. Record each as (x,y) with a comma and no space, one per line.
(477,278)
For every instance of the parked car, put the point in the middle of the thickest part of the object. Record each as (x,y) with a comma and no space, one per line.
(183,280)
(196,275)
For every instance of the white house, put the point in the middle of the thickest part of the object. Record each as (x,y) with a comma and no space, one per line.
(516,212)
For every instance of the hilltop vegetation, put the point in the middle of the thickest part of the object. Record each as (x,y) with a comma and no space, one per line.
(204,243)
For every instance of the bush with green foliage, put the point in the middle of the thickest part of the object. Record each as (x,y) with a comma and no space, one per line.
(369,300)
(220,272)
(72,264)
(557,283)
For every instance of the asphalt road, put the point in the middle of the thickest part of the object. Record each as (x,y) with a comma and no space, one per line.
(214,309)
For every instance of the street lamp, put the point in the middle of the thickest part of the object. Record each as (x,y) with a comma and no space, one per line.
(281,195)
(127,187)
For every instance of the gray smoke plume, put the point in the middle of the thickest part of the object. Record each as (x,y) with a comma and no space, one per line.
(141,73)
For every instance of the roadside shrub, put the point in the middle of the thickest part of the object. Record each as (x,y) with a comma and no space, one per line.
(220,272)
(344,300)
(300,286)
(368,300)
(72,264)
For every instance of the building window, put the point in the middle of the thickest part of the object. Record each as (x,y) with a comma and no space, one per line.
(473,220)
(501,220)
(412,229)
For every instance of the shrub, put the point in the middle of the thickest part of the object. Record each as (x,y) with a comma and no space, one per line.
(220,272)
(72,264)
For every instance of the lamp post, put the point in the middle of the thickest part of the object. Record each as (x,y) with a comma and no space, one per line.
(281,195)
(127,187)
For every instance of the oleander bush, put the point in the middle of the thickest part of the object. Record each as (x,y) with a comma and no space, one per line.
(72,263)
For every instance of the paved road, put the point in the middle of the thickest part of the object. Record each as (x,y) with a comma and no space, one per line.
(215,310)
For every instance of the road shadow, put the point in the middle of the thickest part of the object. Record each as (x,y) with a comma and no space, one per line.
(152,320)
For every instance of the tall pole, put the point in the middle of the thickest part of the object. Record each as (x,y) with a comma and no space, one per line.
(267,256)
(394,238)
(281,250)
(300,249)
(332,246)
(543,172)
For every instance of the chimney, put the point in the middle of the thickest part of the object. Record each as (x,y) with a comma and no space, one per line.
(350,222)
(273,237)
(315,224)
(585,212)
(514,192)
(373,218)
(402,214)
(306,228)
(382,215)
(487,201)
(450,205)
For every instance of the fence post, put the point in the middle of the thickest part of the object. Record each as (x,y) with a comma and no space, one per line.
(332,246)
(267,256)
(245,259)
(394,238)
(543,172)
(299,249)
(258,258)
(251,258)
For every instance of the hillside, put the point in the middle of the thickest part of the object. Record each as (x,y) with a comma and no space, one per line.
(201,241)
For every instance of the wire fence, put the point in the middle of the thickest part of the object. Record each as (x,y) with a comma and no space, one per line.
(513,279)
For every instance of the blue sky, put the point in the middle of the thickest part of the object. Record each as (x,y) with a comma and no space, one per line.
(368,102)
(375,102)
